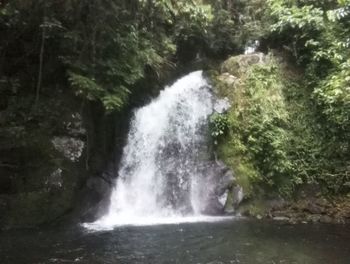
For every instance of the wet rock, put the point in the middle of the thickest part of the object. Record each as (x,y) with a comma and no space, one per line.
(227,189)
(229,207)
(228,79)
(214,207)
(55,179)
(99,185)
(6,178)
(74,126)
(221,195)
(223,198)
(277,204)
(323,203)
(221,167)
(234,198)
(71,148)
(237,195)
(96,198)
(326,219)
(279,213)
(238,64)
(313,208)
(226,181)
(313,218)
(281,218)
(3,207)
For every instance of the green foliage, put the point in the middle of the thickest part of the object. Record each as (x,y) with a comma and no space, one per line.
(89,89)
(333,95)
(194,20)
(262,124)
(276,138)
(103,48)
(257,143)
(218,125)
(313,30)
(290,17)
(85,86)
(316,34)
(255,21)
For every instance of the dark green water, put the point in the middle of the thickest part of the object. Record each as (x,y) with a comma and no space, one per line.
(240,241)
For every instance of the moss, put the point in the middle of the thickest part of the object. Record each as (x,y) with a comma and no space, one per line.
(256,145)
(230,154)
(238,65)
(231,149)
(276,139)
(256,208)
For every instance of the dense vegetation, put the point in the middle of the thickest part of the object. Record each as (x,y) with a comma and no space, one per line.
(102,48)
(291,125)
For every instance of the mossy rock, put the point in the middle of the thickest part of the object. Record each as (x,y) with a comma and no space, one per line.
(254,208)
(238,65)
(36,208)
(253,85)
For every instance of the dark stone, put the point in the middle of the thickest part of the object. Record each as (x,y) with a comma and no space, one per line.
(237,195)
(277,204)
(314,218)
(213,207)
(225,181)
(95,199)
(4,204)
(6,176)
(326,219)
(220,182)
(237,65)
(281,218)
(99,185)
(314,209)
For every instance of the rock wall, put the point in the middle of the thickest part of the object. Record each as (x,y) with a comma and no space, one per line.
(50,156)
(41,159)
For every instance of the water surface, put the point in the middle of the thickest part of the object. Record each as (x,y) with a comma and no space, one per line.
(231,241)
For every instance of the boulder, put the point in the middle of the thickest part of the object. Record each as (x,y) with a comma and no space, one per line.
(222,193)
(213,206)
(281,218)
(234,198)
(237,65)
(225,182)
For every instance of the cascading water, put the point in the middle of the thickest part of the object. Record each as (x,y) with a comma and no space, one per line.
(161,179)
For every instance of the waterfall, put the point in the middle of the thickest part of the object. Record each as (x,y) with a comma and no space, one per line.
(161,177)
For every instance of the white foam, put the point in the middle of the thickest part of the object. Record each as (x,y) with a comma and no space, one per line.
(112,222)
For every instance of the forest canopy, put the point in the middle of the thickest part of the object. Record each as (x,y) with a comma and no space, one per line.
(102,48)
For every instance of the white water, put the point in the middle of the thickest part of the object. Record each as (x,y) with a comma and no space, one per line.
(159,181)
(250,49)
